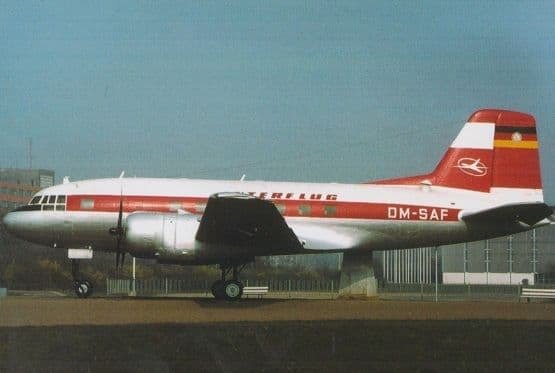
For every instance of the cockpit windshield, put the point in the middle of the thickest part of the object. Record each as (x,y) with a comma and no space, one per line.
(45,203)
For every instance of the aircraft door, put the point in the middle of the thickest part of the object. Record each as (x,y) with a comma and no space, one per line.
(65,234)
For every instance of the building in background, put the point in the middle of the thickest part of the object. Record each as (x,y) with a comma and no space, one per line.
(527,256)
(18,185)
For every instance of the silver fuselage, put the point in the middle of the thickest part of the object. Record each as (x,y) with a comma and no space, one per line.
(363,217)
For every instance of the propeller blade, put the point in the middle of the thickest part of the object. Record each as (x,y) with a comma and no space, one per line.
(118,232)
(120,216)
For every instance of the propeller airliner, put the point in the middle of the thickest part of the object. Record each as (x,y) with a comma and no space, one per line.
(488,184)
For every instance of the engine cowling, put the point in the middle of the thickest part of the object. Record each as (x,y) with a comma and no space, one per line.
(151,235)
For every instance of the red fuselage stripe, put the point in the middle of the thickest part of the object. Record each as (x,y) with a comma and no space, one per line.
(288,208)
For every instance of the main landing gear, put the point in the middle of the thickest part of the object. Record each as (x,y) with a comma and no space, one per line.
(83,287)
(231,289)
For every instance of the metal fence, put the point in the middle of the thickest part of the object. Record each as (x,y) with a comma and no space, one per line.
(452,291)
(168,286)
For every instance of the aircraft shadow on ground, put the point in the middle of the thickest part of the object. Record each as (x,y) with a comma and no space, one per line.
(242,303)
(210,302)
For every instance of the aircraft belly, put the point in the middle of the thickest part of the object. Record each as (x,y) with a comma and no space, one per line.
(328,235)
(203,253)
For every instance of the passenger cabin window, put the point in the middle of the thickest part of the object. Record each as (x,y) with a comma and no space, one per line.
(304,210)
(174,206)
(329,211)
(87,204)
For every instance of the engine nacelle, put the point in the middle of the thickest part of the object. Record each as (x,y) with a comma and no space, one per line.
(151,235)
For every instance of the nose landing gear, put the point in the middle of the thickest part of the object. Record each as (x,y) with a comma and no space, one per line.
(229,289)
(82,287)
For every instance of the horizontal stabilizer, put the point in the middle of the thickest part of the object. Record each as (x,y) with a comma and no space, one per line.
(527,213)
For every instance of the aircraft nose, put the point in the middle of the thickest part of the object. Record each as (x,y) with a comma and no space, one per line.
(11,222)
(27,223)
(16,223)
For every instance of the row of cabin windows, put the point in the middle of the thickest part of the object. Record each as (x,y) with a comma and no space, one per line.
(304,210)
(88,204)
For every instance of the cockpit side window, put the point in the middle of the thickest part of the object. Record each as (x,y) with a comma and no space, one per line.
(61,203)
(49,202)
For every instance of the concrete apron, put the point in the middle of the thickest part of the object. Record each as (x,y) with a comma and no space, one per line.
(357,276)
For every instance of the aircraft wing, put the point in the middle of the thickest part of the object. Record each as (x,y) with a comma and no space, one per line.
(526,213)
(237,219)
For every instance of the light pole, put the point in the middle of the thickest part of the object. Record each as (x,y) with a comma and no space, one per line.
(436,271)
(133,288)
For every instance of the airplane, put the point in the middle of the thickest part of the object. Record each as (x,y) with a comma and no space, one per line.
(488,184)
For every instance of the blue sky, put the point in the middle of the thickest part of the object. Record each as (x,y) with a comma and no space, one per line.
(340,91)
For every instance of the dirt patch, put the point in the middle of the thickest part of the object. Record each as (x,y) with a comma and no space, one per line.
(31,311)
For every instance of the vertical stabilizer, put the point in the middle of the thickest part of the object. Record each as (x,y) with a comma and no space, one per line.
(495,149)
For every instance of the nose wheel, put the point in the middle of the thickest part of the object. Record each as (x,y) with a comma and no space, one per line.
(82,287)
(231,289)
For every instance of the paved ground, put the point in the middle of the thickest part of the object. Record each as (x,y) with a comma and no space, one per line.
(104,334)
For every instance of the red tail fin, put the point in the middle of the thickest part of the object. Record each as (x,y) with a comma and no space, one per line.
(495,148)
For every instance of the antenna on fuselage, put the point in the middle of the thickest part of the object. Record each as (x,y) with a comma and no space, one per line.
(243,177)
(122,174)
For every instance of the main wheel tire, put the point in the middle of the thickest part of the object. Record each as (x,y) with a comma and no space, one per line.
(233,290)
(218,289)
